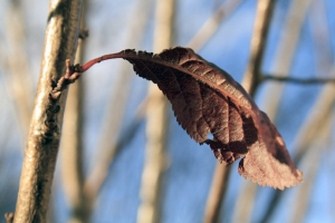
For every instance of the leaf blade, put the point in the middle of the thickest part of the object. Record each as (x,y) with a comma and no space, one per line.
(208,101)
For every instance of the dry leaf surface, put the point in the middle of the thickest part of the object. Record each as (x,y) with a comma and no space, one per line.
(214,109)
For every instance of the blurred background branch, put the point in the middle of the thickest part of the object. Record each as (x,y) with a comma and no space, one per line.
(157,124)
(72,163)
(210,27)
(19,79)
(101,178)
(111,140)
(285,52)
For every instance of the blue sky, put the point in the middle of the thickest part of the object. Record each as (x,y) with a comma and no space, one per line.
(189,174)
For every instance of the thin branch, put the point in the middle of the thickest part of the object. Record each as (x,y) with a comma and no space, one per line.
(99,174)
(245,202)
(9,217)
(285,52)
(296,80)
(251,81)
(217,193)
(19,81)
(308,132)
(258,43)
(283,61)
(111,141)
(320,30)
(312,160)
(72,142)
(212,24)
(46,123)
(157,124)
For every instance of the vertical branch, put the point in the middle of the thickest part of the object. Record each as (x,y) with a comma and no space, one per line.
(111,141)
(321,109)
(250,83)
(157,124)
(216,194)
(20,84)
(285,52)
(45,126)
(252,75)
(307,133)
(321,35)
(71,143)
(311,162)
(212,24)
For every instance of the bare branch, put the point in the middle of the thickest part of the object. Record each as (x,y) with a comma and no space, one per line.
(311,162)
(71,153)
(308,132)
(294,80)
(111,141)
(285,52)
(18,78)
(45,127)
(157,124)
(217,193)
(99,173)
(9,217)
(212,24)
(251,81)
(258,43)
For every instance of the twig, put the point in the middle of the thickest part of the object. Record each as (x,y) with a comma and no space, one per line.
(252,75)
(72,73)
(294,80)
(9,217)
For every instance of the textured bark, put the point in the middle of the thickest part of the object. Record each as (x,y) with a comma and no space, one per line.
(46,123)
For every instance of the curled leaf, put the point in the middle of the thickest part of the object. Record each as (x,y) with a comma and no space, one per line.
(215,110)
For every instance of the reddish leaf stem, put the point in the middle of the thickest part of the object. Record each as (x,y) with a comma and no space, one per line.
(94,61)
